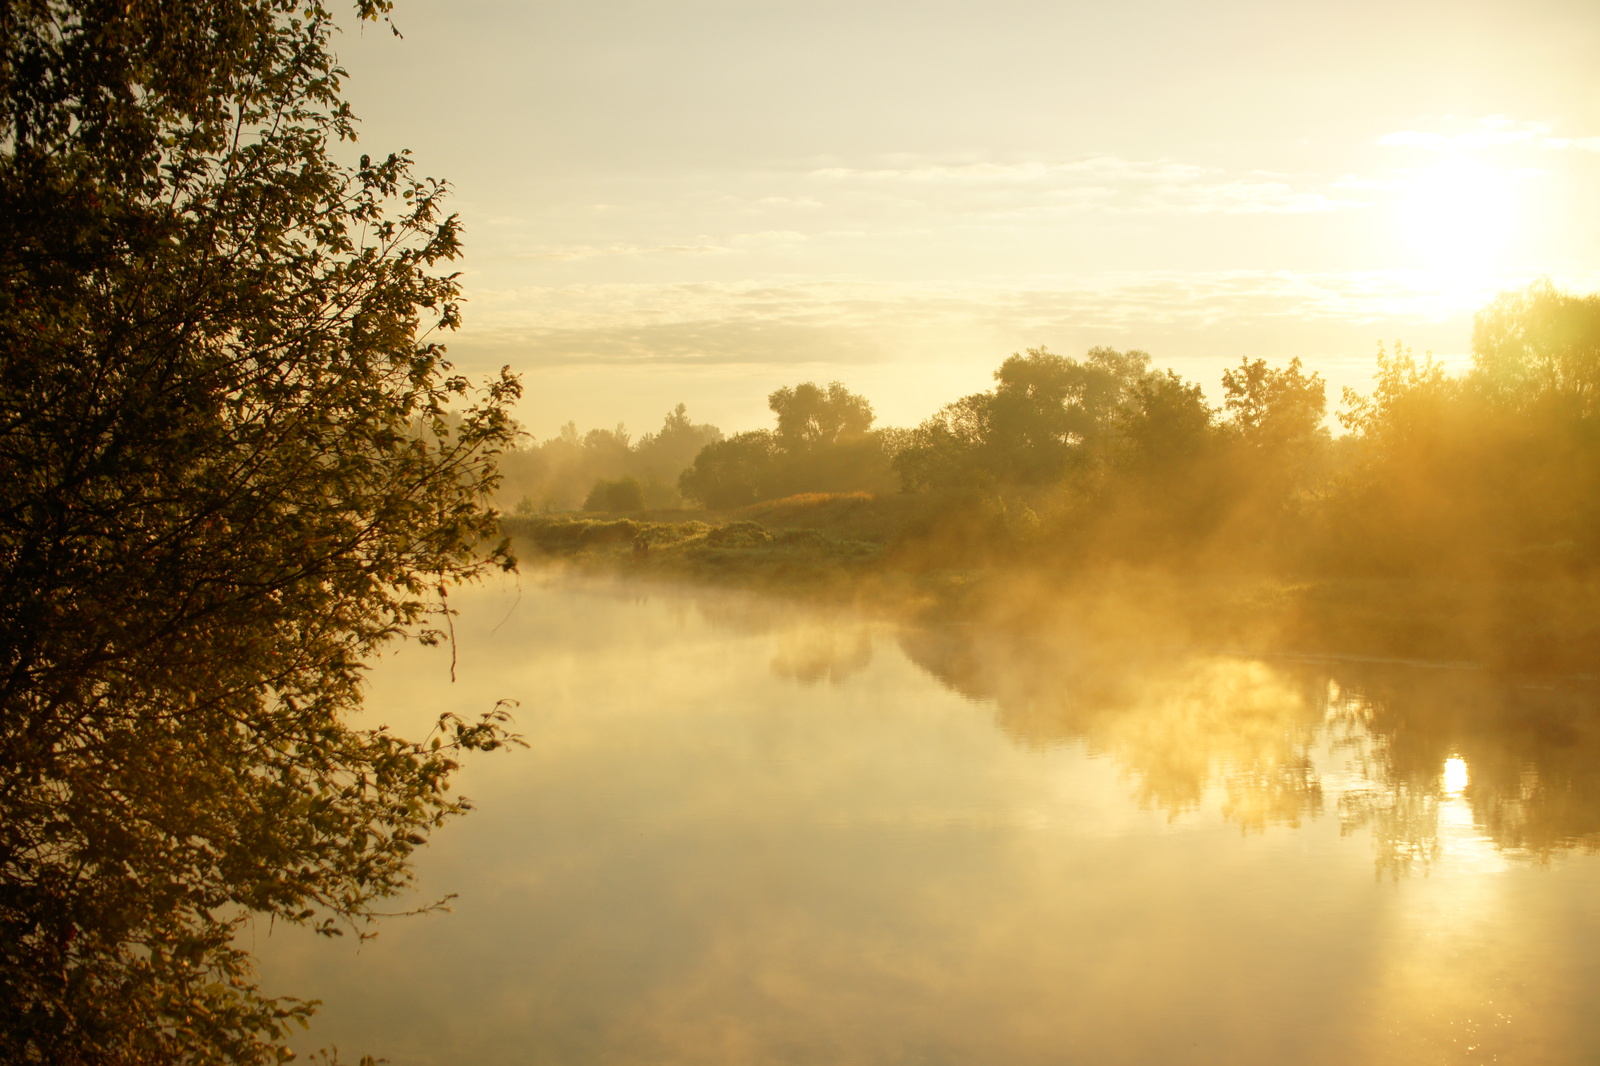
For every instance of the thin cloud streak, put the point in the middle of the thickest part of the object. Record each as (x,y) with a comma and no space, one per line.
(1493,131)
(1109,184)
(619,250)
(861,323)
(734,242)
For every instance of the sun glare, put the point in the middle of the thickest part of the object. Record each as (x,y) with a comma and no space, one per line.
(1460,216)
(1454,776)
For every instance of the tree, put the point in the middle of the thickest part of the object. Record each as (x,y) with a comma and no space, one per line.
(1274,408)
(556,474)
(823,442)
(731,472)
(232,471)
(1278,451)
(1046,412)
(948,451)
(1405,400)
(1049,409)
(1498,471)
(1536,378)
(623,494)
(811,417)
(660,457)
(1165,425)
(1539,347)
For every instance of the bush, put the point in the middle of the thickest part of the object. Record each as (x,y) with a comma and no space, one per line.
(624,494)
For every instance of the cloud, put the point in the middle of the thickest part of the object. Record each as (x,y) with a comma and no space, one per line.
(609,251)
(1110,184)
(848,323)
(729,243)
(1493,131)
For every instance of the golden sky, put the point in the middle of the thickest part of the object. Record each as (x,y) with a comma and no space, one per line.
(700,200)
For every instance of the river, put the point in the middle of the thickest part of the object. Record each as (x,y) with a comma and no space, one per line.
(749,832)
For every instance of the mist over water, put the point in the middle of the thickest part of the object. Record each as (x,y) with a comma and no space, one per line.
(747,831)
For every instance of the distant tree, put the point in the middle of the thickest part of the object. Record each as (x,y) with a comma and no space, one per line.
(1273,408)
(1165,425)
(1277,459)
(235,464)
(1046,412)
(949,450)
(732,472)
(1496,472)
(624,494)
(613,442)
(824,442)
(811,417)
(1539,347)
(660,457)
(1049,409)
(556,474)
(1404,401)
(1398,505)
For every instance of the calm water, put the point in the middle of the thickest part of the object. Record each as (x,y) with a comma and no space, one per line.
(746,833)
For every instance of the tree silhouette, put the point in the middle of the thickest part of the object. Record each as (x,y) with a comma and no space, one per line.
(233,470)
(1274,408)
(823,443)
(731,472)
(1540,346)
(810,417)
(1045,412)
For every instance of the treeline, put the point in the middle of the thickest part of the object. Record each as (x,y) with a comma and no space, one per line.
(1494,472)
(823,442)
(604,469)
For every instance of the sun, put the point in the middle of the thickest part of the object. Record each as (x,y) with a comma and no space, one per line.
(1460,216)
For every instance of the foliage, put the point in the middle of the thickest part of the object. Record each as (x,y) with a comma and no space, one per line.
(1458,517)
(624,494)
(1274,464)
(775,555)
(1496,472)
(1269,408)
(1539,348)
(233,472)
(811,417)
(949,450)
(1403,396)
(731,472)
(1165,425)
(663,455)
(1046,414)
(824,442)
(1493,474)
(556,474)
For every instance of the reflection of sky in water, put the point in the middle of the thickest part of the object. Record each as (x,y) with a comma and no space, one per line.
(747,833)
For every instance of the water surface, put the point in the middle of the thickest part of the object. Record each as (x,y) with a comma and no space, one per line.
(746,832)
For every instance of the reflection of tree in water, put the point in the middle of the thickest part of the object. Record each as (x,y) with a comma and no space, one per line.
(821,652)
(1180,725)
(1247,732)
(810,645)
(1530,753)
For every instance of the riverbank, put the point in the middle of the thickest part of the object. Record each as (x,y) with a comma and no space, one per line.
(981,561)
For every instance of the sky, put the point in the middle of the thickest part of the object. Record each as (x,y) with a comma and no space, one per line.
(699,201)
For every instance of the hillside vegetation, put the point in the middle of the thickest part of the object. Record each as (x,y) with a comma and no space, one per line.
(1455,518)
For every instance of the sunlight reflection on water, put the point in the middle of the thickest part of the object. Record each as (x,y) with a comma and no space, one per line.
(745,832)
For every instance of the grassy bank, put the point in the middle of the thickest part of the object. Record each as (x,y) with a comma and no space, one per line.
(819,547)
(982,561)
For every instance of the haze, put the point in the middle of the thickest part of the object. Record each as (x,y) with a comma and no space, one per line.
(703,200)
